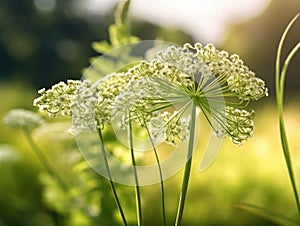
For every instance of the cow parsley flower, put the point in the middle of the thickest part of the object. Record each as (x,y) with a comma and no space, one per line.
(200,75)
(21,118)
(83,110)
(58,99)
(178,77)
(174,127)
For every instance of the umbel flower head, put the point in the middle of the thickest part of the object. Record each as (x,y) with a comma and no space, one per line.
(58,100)
(21,118)
(159,93)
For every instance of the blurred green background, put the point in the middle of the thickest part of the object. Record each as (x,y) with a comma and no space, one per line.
(39,47)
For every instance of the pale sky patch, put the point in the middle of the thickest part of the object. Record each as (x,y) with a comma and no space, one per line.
(205,20)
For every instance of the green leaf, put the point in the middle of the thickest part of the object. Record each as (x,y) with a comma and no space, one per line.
(268,214)
(113,59)
(101,47)
(120,35)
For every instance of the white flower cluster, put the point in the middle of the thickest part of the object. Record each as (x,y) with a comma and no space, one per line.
(206,63)
(239,125)
(58,100)
(93,105)
(21,118)
(84,109)
(172,126)
(147,96)
(148,93)
(215,73)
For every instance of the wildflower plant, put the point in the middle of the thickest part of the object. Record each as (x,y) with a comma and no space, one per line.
(162,96)
(148,102)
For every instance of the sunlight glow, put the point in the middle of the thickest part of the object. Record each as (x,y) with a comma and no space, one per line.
(206,21)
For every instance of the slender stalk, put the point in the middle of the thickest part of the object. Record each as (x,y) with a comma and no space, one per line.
(137,189)
(187,169)
(121,14)
(285,68)
(43,158)
(111,183)
(161,178)
(279,85)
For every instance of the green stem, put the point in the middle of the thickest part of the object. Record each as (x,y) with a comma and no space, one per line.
(161,178)
(43,158)
(111,183)
(284,140)
(279,85)
(187,169)
(285,68)
(121,13)
(137,190)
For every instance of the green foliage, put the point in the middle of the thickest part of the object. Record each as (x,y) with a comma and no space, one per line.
(81,203)
(280,75)
(146,91)
(119,32)
(85,197)
(114,58)
(252,173)
(280,83)
(119,35)
(87,200)
(268,214)
(121,13)
(84,200)
(20,190)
